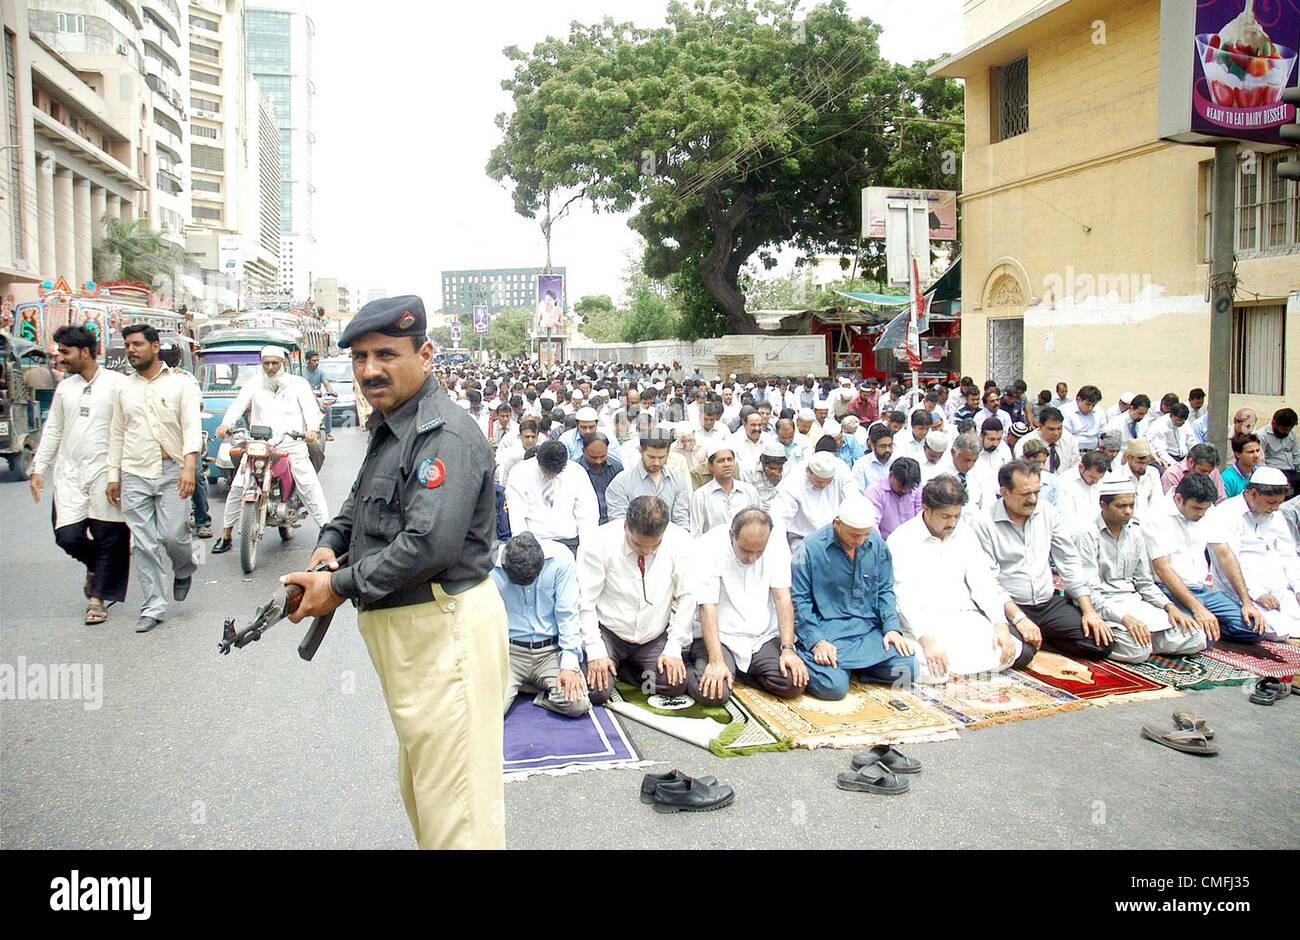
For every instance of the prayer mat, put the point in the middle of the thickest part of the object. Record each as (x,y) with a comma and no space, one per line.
(997,698)
(870,714)
(1095,681)
(728,731)
(538,741)
(1264,658)
(1189,672)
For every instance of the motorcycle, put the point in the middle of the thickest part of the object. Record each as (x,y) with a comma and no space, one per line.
(270,495)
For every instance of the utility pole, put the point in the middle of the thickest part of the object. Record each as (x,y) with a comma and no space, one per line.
(1223,288)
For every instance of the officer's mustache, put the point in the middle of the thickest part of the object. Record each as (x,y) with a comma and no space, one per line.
(376,383)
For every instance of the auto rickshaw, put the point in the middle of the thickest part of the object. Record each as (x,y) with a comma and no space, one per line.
(26,391)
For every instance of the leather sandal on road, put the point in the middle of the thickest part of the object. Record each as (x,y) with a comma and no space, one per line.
(872,778)
(1189,721)
(895,761)
(96,613)
(1189,742)
(1268,690)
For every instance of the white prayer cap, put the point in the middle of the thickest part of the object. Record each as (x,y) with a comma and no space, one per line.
(845,380)
(937,441)
(821,404)
(713,446)
(822,465)
(856,512)
(850,423)
(1268,476)
(733,375)
(810,376)
(772,450)
(577,394)
(275,352)
(587,414)
(1128,396)
(831,427)
(1117,484)
(806,414)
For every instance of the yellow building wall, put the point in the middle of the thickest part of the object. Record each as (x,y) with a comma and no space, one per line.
(1089,193)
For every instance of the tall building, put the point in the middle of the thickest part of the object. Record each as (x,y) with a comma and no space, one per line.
(332,294)
(262,191)
(1086,237)
(279,37)
(499,288)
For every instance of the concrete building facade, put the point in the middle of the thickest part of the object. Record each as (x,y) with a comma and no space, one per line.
(1085,237)
(499,288)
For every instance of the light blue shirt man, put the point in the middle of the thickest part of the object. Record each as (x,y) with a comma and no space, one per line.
(548,608)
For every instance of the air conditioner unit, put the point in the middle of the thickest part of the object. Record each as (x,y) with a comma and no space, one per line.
(121,50)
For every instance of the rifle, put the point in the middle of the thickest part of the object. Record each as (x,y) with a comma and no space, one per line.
(282,603)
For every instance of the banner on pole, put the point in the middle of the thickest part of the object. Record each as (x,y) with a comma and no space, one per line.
(480,318)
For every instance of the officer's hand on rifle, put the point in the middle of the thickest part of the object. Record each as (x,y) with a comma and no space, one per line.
(318,598)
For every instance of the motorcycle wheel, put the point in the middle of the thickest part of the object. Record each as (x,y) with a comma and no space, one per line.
(250,533)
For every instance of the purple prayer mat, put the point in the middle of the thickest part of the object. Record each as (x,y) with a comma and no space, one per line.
(539,741)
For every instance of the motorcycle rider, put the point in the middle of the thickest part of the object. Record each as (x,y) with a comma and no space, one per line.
(283,402)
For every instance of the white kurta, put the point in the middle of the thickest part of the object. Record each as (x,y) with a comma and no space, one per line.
(1267,555)
(947,590)
(75,442)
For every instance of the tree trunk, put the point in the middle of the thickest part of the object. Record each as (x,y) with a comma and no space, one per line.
(719,269)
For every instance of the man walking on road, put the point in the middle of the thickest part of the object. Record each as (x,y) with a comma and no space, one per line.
(153,448)
(86,525)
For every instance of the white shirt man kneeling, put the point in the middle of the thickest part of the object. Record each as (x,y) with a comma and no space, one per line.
(949,600)
(746,614)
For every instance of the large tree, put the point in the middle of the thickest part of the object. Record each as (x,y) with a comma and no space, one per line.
(732,130)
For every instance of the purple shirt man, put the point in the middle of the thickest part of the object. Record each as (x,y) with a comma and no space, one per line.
(897,495)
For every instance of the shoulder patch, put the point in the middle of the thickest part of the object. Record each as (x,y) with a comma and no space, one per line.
(430,473)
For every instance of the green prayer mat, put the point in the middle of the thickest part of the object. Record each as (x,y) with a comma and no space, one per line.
(728,731)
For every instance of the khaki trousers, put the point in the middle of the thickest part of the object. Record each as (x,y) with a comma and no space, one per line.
(443,666)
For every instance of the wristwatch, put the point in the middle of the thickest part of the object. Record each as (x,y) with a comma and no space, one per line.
(787,646)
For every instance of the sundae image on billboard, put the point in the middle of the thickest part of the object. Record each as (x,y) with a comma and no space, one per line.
(1245,55)
(550,301)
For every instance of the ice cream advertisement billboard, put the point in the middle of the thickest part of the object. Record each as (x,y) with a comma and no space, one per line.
(1223,66)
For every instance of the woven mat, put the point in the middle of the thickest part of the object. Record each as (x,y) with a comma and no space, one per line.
(868,715)
(538,741)
(1096,681)
(729,731)
(977,701)
(1189,672)
(1264,658)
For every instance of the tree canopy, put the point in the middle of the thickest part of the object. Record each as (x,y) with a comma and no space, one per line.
(730,131)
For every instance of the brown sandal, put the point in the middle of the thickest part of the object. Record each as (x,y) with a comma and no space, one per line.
(96,613)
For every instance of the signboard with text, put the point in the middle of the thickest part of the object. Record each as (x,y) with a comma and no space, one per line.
(1223,66)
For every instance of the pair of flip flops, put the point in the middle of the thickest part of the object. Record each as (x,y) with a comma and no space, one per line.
(1191,737)
(1268,690)
(879,770)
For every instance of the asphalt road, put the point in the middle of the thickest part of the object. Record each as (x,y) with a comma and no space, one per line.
(261,750)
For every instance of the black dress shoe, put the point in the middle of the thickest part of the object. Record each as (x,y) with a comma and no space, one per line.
(650,781)
(181,587)
(221,545)
(145,624)
(692,796)
(893,759)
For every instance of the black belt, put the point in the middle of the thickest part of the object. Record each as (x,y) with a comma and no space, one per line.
(539,645)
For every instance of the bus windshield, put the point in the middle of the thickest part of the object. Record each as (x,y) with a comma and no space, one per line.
(225,374)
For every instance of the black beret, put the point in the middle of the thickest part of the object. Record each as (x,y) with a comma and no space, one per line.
(392,316)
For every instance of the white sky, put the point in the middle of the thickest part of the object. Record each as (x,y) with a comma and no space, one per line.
(407,94)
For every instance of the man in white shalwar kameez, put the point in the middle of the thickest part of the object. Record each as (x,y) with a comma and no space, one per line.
(86,525)
(1261,539)
(949,600)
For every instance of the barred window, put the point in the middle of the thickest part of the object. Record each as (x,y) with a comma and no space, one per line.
(1012,99)
(205,104)
(206,77)
(207,158)
(207,186)
(201,130)
(1258,350)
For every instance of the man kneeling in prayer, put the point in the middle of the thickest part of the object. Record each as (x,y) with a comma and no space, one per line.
(949,600)
(842,584)
(1113,553)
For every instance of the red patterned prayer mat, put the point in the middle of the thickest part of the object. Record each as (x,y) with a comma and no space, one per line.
(1264,658)
(1095,681)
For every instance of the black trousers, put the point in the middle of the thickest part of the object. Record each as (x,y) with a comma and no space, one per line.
(635,663)
(764,671)
(104,548)
(1062,627)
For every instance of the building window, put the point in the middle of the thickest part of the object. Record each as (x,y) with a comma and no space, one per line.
(207,158)
(207,212)
(207,186)
(205,52)
(1258,350)
(72,23)
(1012,98)
(202,131)
(206,78)
(205,104)
(15,150)
(211,26)
(1268,209)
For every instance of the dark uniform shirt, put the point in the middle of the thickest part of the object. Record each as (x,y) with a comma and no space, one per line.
(422,509)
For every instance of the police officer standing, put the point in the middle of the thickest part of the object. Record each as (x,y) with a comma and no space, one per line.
(419,528)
